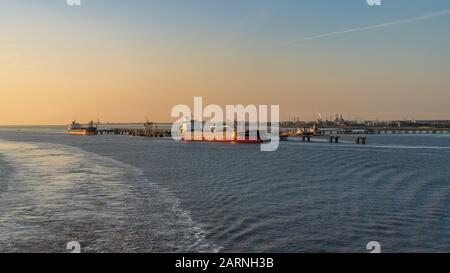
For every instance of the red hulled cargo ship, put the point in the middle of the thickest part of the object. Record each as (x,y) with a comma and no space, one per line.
(213,134)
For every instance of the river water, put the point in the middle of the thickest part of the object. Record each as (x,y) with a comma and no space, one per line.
(131,194)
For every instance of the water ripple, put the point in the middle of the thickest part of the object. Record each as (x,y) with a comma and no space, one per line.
(58,194)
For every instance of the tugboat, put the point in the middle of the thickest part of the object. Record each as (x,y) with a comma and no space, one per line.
(76,129)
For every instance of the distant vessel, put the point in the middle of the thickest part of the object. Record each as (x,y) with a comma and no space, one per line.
(231,135)
(150,125)
(76,129)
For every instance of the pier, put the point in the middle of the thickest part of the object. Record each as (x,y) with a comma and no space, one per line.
(333,135)
(361,140)
(379,130)
(408,130)
(331,138)
(136,132)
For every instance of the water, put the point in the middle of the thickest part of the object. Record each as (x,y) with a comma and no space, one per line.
(130,194)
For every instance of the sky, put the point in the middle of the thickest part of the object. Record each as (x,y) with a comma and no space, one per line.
(123,61)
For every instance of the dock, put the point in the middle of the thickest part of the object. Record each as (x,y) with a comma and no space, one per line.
(335,138)
(333,135)
(381,130)
(407,130)
(136,132)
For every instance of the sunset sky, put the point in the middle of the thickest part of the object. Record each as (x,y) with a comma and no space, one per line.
(121,61)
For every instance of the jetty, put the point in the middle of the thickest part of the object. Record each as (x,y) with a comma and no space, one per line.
(331,138)
(339,131)
(149,130)
(135,132)
(407,130)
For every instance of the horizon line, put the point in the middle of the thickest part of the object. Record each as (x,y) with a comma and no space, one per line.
(157,122)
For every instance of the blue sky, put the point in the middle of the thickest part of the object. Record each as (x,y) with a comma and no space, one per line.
(253,22)
(252,51)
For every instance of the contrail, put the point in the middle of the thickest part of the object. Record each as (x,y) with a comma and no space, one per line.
(359,29)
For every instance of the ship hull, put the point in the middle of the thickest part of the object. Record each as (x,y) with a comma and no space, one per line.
(255,141)
(210,138)
(82,133)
